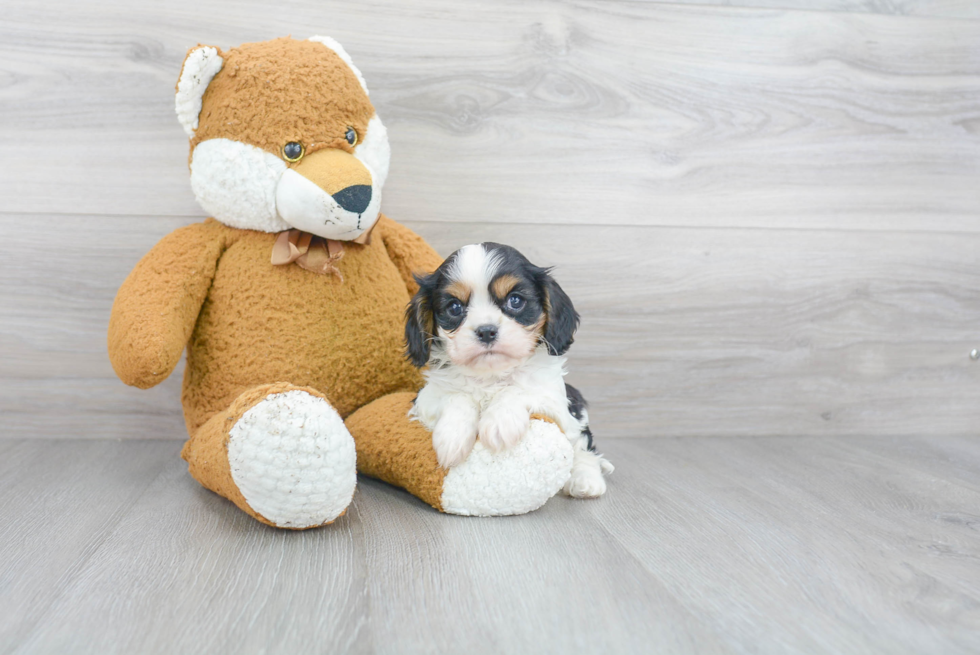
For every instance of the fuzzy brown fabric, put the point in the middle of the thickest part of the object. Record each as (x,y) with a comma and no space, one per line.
(273,92)
(396,450)
(251,327)
(157,305)
(255,323)
(207,452)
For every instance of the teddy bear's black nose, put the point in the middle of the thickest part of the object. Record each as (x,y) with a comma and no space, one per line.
(355,198)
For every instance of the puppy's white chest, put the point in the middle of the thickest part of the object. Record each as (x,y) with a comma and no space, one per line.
(537,386)
(484,397)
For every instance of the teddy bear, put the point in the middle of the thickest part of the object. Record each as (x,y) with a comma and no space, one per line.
(289,301)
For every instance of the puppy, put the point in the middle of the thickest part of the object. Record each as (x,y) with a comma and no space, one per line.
(493,329)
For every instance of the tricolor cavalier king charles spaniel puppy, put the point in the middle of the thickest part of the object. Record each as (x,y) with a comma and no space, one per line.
(493,329)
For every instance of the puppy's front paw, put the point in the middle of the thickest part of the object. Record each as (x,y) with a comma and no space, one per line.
(503,427)
(453,439)
(585,482)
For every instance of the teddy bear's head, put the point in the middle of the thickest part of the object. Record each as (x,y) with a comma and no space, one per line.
(283,135)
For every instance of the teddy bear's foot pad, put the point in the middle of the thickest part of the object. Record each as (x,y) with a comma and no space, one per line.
(517,480)
(293,460)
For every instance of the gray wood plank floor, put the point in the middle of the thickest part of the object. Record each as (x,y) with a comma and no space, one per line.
(712,545)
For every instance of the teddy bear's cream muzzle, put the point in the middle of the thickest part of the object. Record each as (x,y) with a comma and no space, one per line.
(329,193)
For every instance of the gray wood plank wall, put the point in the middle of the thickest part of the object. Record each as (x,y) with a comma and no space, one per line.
(767,213)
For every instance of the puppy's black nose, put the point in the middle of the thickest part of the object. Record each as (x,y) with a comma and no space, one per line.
(354,199)
(486,333)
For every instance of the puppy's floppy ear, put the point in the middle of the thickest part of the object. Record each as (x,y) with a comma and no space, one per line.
(561,317)
(420,324)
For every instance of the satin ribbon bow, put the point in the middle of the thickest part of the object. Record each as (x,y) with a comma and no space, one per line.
(310,252)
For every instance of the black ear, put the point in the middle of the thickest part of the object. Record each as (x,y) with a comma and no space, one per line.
(562,319)
(420,324)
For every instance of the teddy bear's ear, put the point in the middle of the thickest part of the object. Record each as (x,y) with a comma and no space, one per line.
(339,49)
(200,66)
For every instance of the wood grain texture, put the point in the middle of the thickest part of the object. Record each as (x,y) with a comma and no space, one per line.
(59,504)
(710,545)
(850,529)
(767,217)
(936,8)
(684,332)
(764,332)
(588,112)
(186,571)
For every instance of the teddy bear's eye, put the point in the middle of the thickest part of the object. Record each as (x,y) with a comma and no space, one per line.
(292,151)
(351,136)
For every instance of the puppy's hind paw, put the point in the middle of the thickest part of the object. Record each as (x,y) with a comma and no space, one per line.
(585,482)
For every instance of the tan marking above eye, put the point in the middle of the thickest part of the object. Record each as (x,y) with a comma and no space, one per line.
(460,291)
(504,284)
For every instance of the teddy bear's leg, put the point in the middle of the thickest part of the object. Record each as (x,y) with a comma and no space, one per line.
(281,453)
(399,451)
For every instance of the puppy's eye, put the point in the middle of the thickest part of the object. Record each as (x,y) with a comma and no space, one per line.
(515,302)
(350,135)
(455,308)
(292,151)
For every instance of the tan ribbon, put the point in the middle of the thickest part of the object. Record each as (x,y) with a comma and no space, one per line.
(311,252)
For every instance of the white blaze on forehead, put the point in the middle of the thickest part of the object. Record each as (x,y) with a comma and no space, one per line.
(476,267)
(339,49)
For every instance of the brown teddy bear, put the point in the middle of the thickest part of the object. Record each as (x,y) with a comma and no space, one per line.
(290,302)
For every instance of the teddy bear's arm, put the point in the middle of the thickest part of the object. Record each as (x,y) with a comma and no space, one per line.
(409,252)
(157,305)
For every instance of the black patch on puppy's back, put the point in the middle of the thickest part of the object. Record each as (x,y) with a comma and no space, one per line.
(577,407)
